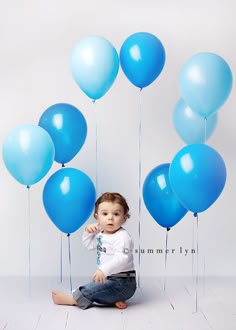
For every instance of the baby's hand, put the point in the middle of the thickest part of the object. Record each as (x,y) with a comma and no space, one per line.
(92,229)
(99,277)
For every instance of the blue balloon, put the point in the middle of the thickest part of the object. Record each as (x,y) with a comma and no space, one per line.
(94,65)
(28,153)
(142,58)
(190,126)
(205,82)
(67,128)
(159,198)
(68,198)
(197,176)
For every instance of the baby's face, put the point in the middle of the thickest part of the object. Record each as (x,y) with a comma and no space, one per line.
(110,217)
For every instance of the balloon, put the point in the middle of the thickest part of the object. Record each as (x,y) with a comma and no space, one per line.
(197,176)
(205,82)
(190,126)
(68,198)
(94,65)
(67,128)
(28,153)
(142,58)
(159,198)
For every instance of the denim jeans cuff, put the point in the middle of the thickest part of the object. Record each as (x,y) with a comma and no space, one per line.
(81,300)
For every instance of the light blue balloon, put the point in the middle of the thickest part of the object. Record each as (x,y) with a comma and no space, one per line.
(68,129)
(142,58)
(69,198)
(28,153)
(94,65)
(159,198)
(197,176)
(190,126)
(205,82)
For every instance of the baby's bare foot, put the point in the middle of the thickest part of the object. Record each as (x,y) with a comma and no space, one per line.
(121,304)
(60,298)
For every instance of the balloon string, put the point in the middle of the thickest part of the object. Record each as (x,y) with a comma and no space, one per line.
(196,301)
(69,254)
(205,129)
(139,183)
(61,261)
(167,230)
(193,238)
(96,146)
(29,237)
(62,166)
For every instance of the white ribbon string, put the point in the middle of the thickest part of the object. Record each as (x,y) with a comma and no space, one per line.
(96,146)
(205,129)
(139,183)
(29,238)
(69,255)
(196,294)
(61,260)
(167,230)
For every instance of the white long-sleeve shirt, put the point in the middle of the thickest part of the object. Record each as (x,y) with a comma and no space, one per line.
(114,251)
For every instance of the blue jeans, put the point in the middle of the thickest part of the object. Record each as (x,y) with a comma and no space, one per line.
(115,289)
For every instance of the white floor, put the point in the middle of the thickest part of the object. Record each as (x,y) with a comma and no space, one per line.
(184,304)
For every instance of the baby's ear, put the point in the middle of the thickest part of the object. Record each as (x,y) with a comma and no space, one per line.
(126,217)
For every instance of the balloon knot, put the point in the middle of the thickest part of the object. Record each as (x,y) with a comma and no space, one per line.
(195,214)
(68,235)
(168,228)
(27,187)
(63,165)
(93,100)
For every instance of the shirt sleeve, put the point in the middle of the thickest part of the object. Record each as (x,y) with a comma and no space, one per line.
(89,240)
(122,249)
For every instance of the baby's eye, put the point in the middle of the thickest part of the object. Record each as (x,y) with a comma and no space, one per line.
(104,213)
(117,214)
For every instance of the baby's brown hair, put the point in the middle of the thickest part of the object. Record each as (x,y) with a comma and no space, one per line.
(114,198)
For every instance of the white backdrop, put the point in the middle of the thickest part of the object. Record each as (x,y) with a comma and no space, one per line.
(36,42)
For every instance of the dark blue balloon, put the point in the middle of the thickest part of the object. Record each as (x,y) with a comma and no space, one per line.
(142,58)
(159,198)
(68,198)
(197,176)
(68,129)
